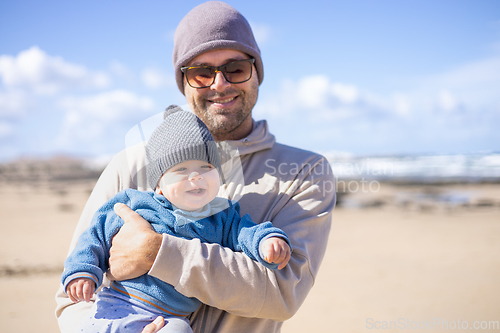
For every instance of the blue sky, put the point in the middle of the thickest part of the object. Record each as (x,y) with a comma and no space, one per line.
(363,77)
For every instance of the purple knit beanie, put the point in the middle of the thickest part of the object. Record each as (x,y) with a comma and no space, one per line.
(210,26)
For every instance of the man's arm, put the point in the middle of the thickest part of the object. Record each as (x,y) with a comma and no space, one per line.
(303,212)
(128,259)
(277,295)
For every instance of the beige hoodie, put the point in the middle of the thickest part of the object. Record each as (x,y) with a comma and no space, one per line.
(292,188)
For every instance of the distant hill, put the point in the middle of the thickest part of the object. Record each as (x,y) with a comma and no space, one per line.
(54,169)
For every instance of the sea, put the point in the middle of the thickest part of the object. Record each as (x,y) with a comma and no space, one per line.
(422,168)
(417,168)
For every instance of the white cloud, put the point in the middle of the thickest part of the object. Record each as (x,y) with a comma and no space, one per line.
(454,110)
(324,98)
(402,104)
(47,75)
(468,88)
(447,101)
(13,104)
(482,71)
(156,78)
(108,106)
(121,71)
(80,114)
(318,92)
(94,121)
(475,84)
(312,91)
(262,32)
(346,93)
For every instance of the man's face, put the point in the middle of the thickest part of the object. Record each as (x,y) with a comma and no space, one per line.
(224,107)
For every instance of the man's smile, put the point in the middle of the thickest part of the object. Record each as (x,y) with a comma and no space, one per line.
(222,102)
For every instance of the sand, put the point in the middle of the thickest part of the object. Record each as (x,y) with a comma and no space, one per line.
(399,258)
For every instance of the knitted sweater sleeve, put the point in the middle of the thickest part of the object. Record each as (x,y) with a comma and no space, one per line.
(91,254)
(304,214)
(119,174)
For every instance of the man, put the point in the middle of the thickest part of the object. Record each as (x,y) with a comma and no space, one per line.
(218,68)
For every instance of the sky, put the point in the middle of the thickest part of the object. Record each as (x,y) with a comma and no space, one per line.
(379,77)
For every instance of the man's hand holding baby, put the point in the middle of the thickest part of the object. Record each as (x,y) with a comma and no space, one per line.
(80,289)
(275,250)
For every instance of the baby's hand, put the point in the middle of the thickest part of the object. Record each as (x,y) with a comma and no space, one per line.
(276,250)
(80,289)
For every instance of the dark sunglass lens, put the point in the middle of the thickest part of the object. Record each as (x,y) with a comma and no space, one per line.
(200,76)
(238,71)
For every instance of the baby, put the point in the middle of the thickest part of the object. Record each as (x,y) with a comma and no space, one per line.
(184,169)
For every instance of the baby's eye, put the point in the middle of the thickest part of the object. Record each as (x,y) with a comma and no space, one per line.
(180,169)
(208,166)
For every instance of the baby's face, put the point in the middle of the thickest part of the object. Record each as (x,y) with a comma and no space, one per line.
(190,185)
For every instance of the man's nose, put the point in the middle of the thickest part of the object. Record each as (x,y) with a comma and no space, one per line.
(220,83)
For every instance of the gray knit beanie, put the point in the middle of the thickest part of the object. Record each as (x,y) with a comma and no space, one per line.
(182,136)
(213,25)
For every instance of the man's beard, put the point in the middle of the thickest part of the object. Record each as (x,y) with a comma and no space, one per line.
(225,121)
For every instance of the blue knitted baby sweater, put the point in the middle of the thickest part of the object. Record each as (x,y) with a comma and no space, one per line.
(226,227)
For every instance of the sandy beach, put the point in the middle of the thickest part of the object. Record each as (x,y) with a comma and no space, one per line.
(404,257)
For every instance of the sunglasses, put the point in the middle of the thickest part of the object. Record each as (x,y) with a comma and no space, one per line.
(238,71)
